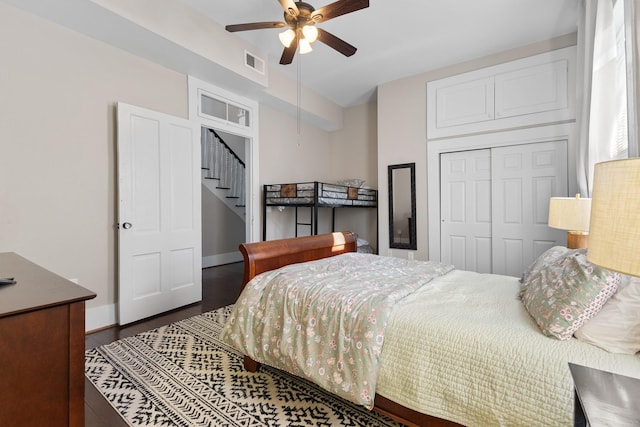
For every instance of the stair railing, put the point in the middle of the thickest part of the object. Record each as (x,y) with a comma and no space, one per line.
(223,164)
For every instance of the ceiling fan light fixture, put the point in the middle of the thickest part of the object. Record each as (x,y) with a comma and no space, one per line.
(286,37)
(305,46)
(301,18)
(310,33)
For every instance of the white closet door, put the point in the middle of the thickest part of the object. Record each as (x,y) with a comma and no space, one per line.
(524,177)
(465,179)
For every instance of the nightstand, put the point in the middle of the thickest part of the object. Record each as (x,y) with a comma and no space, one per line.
(604,398)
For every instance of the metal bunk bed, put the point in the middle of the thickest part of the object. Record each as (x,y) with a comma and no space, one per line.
(315,195)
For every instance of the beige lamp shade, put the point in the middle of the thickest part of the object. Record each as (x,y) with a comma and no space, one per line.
(570,213)
(614,241)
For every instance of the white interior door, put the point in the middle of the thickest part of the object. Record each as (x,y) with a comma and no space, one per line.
(159,233)
(465,179)
(524,178)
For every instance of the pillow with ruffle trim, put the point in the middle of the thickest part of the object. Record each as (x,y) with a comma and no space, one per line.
(566,292)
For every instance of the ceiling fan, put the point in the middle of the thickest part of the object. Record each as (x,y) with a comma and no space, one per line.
(302,18)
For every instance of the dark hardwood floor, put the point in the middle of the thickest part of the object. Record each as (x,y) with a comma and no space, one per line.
(220,287)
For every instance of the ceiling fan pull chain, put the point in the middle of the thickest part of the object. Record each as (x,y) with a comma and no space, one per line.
(299,95)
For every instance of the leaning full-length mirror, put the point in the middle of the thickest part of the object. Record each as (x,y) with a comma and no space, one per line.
(402,206)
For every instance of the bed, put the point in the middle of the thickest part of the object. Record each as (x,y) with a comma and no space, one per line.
(315,195)
(459,350)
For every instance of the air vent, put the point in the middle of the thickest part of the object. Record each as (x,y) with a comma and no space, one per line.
(253,62)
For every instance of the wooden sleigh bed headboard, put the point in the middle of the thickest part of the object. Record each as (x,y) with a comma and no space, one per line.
(264,256)
(269,255)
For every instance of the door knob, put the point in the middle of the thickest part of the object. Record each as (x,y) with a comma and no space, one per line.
(127,225)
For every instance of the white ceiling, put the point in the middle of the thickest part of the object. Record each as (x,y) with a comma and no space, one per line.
(395,38)
(399,38)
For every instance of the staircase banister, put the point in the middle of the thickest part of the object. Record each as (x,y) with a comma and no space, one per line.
(228,148)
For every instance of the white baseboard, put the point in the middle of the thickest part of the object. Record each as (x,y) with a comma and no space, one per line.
(100,317)
(220,259)
(106,315)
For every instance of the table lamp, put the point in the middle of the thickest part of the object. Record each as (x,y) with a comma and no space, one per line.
(614,241)
(571,214)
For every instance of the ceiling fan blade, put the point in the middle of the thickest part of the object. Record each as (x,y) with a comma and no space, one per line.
(289,52)
(341,7)
(289,7)
(337,43)
(254,26)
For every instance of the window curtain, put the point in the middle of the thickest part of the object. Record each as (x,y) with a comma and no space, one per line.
(602,120)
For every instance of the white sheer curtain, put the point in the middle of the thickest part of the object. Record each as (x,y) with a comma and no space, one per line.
(602,121)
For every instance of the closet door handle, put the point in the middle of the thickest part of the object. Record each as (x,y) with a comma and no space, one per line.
(127,225)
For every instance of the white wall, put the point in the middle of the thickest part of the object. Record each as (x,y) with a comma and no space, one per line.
(57,144)
(222,229)
(355,155)
(402,132)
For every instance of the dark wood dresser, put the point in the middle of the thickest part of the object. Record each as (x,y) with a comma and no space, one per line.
(41,346)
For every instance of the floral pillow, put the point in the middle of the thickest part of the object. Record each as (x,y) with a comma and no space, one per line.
(566,292)
(543,260)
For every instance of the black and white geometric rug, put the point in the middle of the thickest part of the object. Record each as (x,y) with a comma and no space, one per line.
(182,375)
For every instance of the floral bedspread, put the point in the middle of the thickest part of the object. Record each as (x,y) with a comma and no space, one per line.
(325,320)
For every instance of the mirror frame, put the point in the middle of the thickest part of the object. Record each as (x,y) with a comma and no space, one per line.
(413,244)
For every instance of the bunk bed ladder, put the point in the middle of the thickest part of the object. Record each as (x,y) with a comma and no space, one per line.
(307,224)
(313,219)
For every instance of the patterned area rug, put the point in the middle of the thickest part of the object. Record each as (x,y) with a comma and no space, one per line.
(182,375)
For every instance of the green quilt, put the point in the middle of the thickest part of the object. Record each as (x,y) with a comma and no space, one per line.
(325,320)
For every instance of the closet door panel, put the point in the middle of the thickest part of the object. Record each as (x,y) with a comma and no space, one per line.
(512,205)
(466,210)
(512,251)
(457,250)
(523,178)
(511,208)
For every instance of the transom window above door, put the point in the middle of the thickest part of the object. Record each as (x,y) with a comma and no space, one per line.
(221,109)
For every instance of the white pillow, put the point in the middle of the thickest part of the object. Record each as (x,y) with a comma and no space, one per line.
(616,327)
